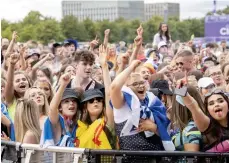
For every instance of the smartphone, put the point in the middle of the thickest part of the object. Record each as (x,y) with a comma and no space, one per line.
(181,91)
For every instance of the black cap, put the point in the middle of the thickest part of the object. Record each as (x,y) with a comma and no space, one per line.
(70,93)
(90,94)
(57,44)
(162,85)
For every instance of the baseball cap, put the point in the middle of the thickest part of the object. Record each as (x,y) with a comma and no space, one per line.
(33,52)
(70,93)
(162,85)
(90,94)
(205,82)
(162,43)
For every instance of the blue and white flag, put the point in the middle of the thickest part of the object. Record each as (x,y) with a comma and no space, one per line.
(151,107)
(47,137)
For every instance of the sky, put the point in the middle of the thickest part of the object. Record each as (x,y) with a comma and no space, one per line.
(16,10)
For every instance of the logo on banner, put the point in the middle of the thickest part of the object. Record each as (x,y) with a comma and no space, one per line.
(224,30)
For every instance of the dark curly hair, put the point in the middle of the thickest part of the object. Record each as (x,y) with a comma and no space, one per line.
(85,56)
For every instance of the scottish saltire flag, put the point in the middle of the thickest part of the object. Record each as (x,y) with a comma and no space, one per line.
(47,137)
(5,112)
(151,108)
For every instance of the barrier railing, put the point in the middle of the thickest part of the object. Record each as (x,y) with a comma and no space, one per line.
(29,153)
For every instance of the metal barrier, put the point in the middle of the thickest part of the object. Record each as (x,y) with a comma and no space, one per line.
(29,153)
(116,156)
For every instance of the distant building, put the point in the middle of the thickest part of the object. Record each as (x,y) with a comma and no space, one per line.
(100,10)
(159,9)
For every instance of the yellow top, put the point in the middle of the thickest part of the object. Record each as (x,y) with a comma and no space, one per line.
(92,136)
(12,109)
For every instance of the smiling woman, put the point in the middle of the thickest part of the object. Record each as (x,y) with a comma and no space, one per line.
(141,109)
(215,124)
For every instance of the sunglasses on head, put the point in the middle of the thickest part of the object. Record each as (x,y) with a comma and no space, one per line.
(98,99)
(217,91)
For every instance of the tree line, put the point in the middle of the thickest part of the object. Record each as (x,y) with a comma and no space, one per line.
(38,27)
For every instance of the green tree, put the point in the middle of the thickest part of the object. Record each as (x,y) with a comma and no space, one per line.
(49,29)
(90,28)
(72,28)
(28,33)
(33,18)
(4,23)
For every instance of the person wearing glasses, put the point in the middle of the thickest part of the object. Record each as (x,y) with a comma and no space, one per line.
(214,124)
(184,61)
(94,129)
(136,113)
(216,74)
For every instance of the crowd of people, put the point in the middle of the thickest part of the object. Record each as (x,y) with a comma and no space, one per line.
(158,96)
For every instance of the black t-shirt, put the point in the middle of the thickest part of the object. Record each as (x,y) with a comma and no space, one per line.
(209,141)
(92,85)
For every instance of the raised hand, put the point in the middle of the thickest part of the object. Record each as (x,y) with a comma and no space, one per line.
(14,57)
(14,35)
(125,58)
(22,50)
(94,42)
(135,64)
(140,30)
(103,55)
(138,40)
(49,56)
(65,79)
(107,32)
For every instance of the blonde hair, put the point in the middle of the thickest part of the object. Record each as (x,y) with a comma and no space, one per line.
(45,108)
(26,119)
(50,87)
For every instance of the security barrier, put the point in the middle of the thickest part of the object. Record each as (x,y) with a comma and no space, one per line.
(29,153)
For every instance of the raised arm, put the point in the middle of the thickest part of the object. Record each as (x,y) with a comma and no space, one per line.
(106,37)
(93,43)
(9,89)
(107,82)
(54,105)
(22,59)
(11,45)
(138,43)
(201,120)
(116,86)
(49,56)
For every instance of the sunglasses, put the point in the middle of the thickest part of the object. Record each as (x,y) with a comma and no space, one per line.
(217,91)
(98,99)
(179,63)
